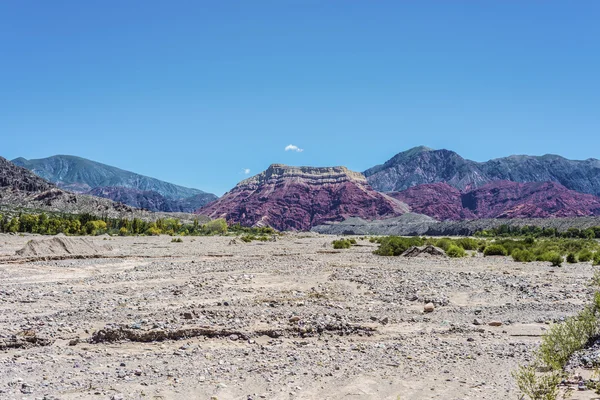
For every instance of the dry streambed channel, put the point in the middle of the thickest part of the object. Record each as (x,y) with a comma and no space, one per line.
(144,318)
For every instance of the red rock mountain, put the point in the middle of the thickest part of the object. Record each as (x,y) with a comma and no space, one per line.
(298,198)
(500,199)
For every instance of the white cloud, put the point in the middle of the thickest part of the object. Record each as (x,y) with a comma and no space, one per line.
(246,171)
(291,147)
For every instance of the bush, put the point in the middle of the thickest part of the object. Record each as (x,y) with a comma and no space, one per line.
(571,258)
(249,238)
(153,231)
(564,339)
(494,250)
(395,245)
(522,255)
(585,255)
(596,259)
(215,227)
(553,257)
(538,386)
(123,231)
(455,251)
(176,240)
(342,244)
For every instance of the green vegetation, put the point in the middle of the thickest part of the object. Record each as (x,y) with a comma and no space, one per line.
(455,251)
(395,245)
(527,249)
(88,224)
(559,343)
(571,258)
(343,243)
(585,255)
(495,250)
(538,232)
(249,237)
(177,240)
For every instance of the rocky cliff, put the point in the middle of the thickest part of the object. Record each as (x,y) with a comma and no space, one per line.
(297,198)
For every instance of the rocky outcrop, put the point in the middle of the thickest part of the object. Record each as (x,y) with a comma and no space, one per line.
(500,199)
(17,178)
(422,165)
(80,175)
(297,198)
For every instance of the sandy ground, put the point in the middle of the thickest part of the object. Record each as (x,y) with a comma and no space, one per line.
(293,319)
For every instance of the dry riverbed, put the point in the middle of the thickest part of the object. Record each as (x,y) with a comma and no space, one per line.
(291,319)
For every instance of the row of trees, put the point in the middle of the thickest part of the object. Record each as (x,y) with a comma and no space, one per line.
(536,231)
(88,224)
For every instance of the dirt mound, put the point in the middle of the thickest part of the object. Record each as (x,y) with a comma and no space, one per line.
(60,246)
(424,251)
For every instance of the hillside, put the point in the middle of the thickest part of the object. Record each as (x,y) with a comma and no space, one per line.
(81,175)
(422,165)
(297,198)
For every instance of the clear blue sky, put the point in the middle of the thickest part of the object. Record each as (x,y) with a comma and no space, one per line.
(193,92)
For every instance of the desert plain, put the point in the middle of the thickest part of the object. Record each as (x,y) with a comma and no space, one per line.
(217,318)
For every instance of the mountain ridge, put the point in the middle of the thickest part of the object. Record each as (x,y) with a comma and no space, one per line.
(422,165)
(81,175)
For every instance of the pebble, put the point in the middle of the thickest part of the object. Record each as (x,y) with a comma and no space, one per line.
(429,307)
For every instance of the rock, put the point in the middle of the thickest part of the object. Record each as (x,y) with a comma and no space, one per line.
(188,315)
(420,251)
(286,198)
(384,320)
(429,307)
(295,318)
(495,323)
(477,321)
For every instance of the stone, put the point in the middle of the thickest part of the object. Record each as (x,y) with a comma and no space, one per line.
(495,323)
(429,307)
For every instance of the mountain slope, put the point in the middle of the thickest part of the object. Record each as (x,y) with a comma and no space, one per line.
(23,191)
(85,176)
(297,198)
(152,201)
(422,165)
(499,199)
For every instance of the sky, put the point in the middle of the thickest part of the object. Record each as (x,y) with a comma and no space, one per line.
(206,93)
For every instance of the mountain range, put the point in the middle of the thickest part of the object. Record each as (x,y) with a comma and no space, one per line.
(421,181)
(81,175)
(422,165)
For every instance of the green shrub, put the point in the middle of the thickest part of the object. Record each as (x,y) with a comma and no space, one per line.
(123,231)
(249,238)
(215,227)
(571,258)
(153,231)
(455,251)
(467,243)
(176,240)
(341,244)
(494,250)
(585,255)
(562,340)
(522,255)
(538,386)
(596,259)
(553,257)
(395,245)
